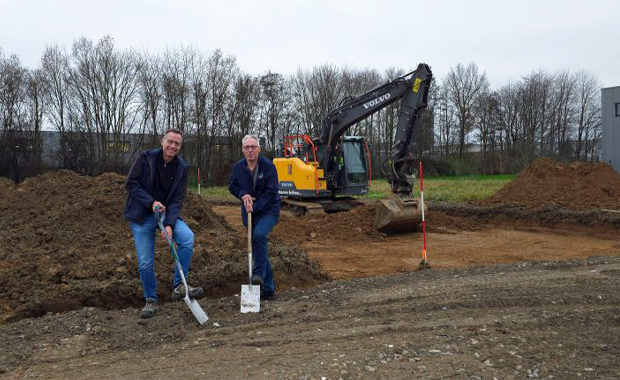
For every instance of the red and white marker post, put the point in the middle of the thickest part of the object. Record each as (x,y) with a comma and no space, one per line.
(198,181)
(424,263)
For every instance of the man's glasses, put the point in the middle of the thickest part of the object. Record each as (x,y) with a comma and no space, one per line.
(250,147)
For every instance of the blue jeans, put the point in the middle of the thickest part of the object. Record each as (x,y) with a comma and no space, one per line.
(262,267)
(144,240)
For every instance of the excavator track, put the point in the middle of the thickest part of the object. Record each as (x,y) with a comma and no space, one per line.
(392,215)
(319,206)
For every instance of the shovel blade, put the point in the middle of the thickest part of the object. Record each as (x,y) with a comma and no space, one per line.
(250,298)
(194,306)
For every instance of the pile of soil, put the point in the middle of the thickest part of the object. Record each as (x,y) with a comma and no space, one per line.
(64,245)
(574,186)
(351,226)
(356,226)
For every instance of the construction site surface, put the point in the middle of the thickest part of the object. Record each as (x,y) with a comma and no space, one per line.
(523,285)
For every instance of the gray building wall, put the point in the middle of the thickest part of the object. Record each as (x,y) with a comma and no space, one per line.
(611,126)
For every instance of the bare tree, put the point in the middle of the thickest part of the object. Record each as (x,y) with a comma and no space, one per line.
(241,113)
(16,120)
(273,108)
(588,113)
(222,72)
(445,123)
(535,110)
(199,126)
(36,108)
(61,111)
(487,123)
(563,113)
(316,93)
(103,82)
(242,110)
(176,86)
(464,85)
(150,94)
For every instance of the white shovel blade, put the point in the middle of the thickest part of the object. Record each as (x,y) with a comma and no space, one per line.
(250,298)
(194,306)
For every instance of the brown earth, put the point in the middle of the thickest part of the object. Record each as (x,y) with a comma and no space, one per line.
(575,186)
(66,245)
(519,289)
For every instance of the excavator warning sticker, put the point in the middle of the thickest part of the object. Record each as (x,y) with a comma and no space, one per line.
(416,84)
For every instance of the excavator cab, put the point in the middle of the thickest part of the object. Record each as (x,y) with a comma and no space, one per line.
(349,167)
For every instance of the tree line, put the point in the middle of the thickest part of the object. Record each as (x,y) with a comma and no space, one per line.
(95,95)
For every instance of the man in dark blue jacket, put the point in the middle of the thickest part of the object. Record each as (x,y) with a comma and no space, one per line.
(254,180)
(158,181)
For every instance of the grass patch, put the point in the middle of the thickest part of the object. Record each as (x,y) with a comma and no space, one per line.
(220,193)
(447,189)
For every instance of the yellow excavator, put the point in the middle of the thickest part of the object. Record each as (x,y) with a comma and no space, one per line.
(321,174)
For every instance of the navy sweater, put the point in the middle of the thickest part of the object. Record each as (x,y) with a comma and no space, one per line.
(267,198)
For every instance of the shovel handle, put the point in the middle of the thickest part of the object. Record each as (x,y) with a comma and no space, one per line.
(250,248)
(159,216)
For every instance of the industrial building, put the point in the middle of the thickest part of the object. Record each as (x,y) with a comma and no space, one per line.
(610,99)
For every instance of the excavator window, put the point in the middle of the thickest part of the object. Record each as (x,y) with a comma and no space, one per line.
(355,162)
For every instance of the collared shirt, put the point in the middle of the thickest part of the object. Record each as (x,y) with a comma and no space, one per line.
(164,177)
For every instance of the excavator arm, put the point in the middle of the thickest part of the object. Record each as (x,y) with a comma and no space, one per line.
(412,92)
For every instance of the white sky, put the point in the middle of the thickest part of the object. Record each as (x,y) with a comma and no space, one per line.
(505,39)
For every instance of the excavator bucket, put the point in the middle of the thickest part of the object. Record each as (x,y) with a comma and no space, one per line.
(395,215)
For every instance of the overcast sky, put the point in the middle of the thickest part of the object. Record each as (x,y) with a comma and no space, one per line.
(505,39)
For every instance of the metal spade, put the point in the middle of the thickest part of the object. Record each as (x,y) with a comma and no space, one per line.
(193,305)
(250,294)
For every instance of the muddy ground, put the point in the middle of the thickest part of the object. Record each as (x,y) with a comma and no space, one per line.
(516,289)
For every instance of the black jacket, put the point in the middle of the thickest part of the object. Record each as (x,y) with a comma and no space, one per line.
(139,185)
(266,191)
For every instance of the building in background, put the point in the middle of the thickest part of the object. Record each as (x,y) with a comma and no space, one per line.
(610,99)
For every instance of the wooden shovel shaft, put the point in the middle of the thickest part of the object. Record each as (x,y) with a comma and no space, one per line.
(250,248)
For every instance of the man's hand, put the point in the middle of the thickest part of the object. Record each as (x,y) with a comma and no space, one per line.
(247,202)
(158,207)
(168,231)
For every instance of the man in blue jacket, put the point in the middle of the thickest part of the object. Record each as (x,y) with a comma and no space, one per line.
(158,180)
(254,180)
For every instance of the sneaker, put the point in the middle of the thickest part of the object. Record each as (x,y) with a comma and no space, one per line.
(149,309)
(257,280)
(179,292)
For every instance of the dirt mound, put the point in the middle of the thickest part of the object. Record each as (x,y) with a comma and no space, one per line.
(357,226)
(354,225)
(64,245)
(574,186)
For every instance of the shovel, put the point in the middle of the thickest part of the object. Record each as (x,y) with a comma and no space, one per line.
(250,294)
(193,305)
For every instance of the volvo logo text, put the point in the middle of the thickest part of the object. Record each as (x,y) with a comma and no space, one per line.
(376,101)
